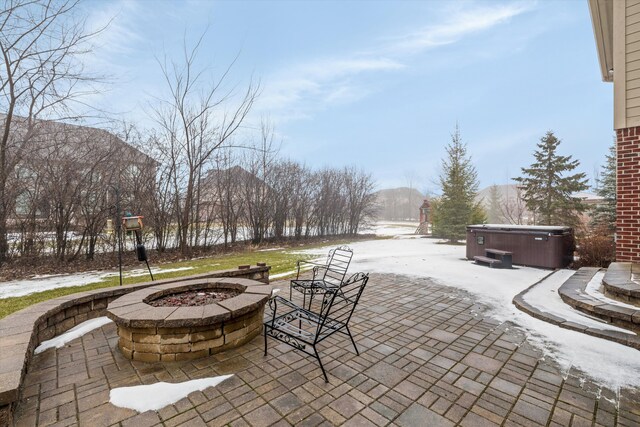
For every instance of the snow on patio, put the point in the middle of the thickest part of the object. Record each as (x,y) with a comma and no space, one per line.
(156,396)
(594,290)
(544,296)
(611,364)
(73,333)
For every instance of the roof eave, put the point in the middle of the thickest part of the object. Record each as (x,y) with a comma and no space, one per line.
(602,20)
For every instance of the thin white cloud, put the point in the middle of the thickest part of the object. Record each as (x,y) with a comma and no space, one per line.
(117,26)
(300,89)
(327,81)
(460,24)
(340,67)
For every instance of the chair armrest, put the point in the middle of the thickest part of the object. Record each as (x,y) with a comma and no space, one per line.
(301,261)
(273,305)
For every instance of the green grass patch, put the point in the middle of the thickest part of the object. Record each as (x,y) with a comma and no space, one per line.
(281,261)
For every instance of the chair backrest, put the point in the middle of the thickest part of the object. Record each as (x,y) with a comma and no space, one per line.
(338,262)
(337,307)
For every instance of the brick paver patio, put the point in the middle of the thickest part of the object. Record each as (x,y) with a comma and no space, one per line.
(428,358)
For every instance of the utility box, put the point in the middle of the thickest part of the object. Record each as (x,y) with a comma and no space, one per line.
(533,246)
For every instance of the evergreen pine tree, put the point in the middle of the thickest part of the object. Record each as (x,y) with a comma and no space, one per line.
(547,187)
(495,206)
(604,214)
(459,182)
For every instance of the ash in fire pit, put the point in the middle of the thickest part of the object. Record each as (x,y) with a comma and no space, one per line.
(194,298)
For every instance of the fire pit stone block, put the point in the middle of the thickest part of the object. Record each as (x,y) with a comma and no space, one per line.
(167,334)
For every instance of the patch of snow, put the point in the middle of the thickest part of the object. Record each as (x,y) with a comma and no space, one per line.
(593,290)
(608,363)
(387,228)
(73,333)
(303,268)
(270,249)
(155,270)
(544,296)
(18,288)
(285,274)
(156,396)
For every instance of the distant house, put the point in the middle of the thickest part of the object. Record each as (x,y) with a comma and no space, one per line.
(61,164)
(225,190)
(616,26)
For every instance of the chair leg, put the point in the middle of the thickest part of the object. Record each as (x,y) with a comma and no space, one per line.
(352,340)
(265,340)
(320,363)
(310,299)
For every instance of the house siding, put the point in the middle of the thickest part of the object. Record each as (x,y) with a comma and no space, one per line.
(632,63)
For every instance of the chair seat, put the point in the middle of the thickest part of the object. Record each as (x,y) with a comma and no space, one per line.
(304,318)
(313,286)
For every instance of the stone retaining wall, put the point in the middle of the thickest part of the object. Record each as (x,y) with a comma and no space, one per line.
(619,284)
(23,331)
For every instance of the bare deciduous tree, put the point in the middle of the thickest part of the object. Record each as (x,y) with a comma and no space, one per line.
(41,43)
(193,124)
(514,209)
(359,188)
(257,193)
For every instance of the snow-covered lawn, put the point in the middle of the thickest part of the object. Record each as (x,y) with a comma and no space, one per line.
(611,364)
(392,228)
(18,288)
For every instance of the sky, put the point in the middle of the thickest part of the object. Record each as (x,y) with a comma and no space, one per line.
(376,84)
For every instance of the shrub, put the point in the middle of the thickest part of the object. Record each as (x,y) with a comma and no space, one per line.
(596,248)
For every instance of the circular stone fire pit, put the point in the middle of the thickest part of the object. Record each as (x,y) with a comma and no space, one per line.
(192,319)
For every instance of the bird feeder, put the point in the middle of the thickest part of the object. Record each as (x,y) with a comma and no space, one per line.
(109,228)
(132,223)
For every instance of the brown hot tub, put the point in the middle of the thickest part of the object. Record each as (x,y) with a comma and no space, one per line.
(189,319)
(534,246)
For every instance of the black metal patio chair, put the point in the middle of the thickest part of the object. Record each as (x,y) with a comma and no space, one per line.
(325,277)
(301,328)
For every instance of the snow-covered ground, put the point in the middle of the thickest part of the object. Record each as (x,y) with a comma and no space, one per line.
(18,288)
(392,228)
(611,364)
(545,297)
(593,289)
